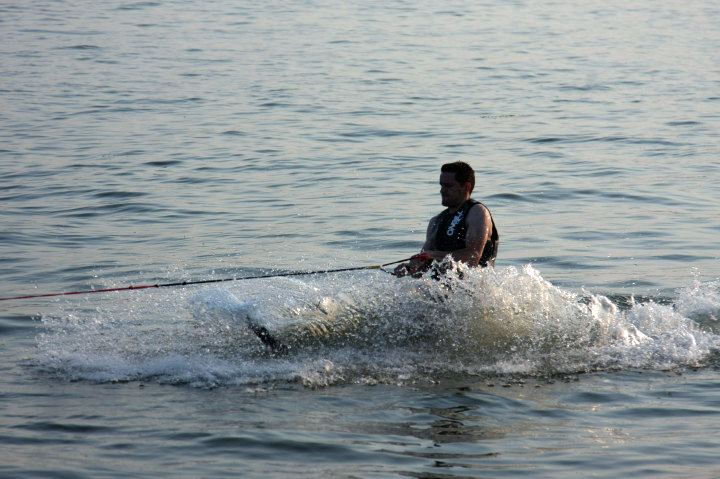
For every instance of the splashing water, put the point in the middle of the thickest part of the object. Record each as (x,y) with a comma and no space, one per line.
(370,327)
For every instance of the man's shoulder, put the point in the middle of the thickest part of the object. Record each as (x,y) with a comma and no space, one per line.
(473,203)
(477,209)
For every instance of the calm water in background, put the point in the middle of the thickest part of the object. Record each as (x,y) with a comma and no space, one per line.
(167,141)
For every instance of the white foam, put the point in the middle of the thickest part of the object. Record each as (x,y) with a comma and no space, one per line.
(505,321)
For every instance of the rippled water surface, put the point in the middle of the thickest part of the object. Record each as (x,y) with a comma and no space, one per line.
(155,143)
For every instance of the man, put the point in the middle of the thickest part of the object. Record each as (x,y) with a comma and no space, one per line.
(465,230)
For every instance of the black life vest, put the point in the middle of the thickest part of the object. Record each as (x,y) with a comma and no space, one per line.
(451,231)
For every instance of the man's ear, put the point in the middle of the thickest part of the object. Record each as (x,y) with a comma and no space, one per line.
(468,188)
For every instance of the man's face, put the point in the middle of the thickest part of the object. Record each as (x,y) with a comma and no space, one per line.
(453,193)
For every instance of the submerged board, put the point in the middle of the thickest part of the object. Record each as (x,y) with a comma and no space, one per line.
(310,325)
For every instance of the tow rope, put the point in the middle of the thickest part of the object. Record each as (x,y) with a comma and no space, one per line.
(208,281)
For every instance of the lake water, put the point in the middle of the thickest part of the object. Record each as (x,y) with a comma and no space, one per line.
(161,142)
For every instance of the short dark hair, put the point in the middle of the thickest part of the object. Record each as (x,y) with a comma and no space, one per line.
(463,172)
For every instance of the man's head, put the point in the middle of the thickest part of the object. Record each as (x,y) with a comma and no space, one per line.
(457,180)
(463,172)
